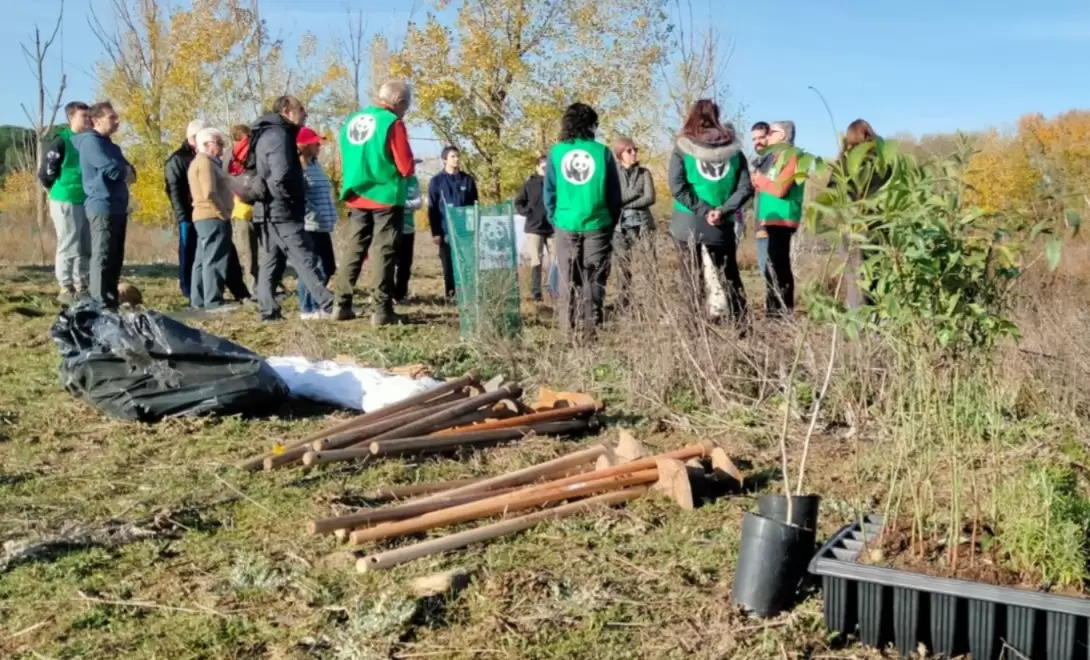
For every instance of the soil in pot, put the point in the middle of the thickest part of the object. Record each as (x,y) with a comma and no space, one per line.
(771,564)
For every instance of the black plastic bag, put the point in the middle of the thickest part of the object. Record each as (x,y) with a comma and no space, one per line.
(145,366)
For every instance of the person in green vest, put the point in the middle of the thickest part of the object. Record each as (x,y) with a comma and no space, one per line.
(779,212)
(376,163)
(60,174)
(406,243)
(582,192)
(709,180)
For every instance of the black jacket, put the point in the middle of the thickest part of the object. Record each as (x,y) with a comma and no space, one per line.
(530,203)
(458,189)
(177,180)
(277,188)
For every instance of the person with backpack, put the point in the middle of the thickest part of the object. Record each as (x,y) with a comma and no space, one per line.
(779,213)
(709,180)
(60,175)
(376,162)
(582,192)
(530,204)
(406,243)
(320,218)
(275,183)
(243,235)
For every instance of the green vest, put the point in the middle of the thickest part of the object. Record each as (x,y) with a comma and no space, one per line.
(367,169)
(68,187)
(702,176)
(783,211)
(580,173)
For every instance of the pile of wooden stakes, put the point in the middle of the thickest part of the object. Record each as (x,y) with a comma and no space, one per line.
(597,476)
(459,413)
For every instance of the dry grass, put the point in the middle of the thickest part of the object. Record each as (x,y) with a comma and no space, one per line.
(226,571)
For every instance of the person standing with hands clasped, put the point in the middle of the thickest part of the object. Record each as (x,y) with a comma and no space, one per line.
(709,180)
(451,187)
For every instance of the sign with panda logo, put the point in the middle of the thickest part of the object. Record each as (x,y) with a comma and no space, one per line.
(713,170)
(361,129)
(577,167)
(494,242)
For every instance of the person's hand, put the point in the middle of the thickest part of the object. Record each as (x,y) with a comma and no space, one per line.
(438,240)
(130,175)
(715,217)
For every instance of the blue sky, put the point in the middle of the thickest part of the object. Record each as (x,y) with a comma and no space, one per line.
(920,67)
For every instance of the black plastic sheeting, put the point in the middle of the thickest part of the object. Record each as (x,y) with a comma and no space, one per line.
(144,366)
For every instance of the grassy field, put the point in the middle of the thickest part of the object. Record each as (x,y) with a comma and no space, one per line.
(173,553)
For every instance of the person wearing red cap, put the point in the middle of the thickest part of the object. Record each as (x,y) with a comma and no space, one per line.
(320,216)
(376,163)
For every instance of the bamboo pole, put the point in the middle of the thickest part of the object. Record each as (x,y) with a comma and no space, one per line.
(357,435)
(396,512)
(445,442)
(525,420)
(515,501)
(534,472)
(486,532)
(256,462)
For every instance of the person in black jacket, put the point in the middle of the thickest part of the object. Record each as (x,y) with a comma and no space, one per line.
(530,204)
(454,187)
(181,201)
(277,189)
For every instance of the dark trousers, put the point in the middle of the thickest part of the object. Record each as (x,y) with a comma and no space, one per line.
(724,259)
(236,281)
(107,255)
(403,265)
(210,266)
(327,266)
(628,242)
(779,279)
(283,243)
(583,259)
(379,230)
(187,254)
(446,259)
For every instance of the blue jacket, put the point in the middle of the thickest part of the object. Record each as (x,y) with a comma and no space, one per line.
(458,189)
(104,169)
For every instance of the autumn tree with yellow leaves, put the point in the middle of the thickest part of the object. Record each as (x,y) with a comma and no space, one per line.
(497,83)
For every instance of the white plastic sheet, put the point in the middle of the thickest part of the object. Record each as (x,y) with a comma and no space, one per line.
(346,385)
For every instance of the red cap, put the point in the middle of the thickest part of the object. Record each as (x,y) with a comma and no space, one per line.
(308,136)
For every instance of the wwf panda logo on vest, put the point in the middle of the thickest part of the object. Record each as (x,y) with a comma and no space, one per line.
(577,167)
(361,129)
(713,170)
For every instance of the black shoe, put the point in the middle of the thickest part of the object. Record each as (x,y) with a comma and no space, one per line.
(271,318)
(345,314)
(386,317)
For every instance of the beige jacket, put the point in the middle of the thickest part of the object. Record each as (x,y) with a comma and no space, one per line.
(212,197)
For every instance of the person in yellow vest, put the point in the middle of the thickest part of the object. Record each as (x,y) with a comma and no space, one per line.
(779,212)
(582,193)
(376,163)
(244,236)
(709,180)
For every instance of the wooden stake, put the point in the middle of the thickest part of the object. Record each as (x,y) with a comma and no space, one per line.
(722,463)
(396,512)
(516,501)
(433,443)
(674,482)
(448,387)
(402,492)
(526,420)
(628,447)
(486,532)
(358,435)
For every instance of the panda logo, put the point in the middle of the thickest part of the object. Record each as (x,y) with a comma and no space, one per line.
(577,167)
(361,129)
(713,170)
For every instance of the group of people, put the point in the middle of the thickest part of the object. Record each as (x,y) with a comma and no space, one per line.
(246,214)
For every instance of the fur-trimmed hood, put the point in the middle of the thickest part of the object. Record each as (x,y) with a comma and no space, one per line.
(713,152)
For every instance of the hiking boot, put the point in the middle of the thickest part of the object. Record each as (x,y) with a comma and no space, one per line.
(345,314)
(385,317)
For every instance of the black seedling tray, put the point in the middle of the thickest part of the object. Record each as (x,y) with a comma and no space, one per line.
(950,617)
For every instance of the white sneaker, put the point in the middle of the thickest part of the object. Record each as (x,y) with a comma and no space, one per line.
(308,316)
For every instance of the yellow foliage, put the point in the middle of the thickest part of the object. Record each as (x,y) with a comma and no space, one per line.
(1001,176)
(17,196)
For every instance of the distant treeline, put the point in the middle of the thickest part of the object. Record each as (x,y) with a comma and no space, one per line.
(17,149)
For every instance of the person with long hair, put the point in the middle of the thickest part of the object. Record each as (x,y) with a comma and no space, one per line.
(583,202)
(709,180)
(637,229)
(779,213)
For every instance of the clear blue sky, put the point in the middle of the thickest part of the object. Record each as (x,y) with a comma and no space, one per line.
(922,67)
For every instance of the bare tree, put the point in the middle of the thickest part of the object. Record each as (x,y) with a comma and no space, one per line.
(354,50)
(46,117)
(698,68)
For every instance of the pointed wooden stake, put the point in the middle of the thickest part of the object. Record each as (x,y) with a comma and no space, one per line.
(722,463)
(674,482)
(628,447)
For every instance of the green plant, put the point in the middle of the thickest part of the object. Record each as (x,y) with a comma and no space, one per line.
(1043,526)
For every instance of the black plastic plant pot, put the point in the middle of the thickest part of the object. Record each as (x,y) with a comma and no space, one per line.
(771,565)
(950,617)
(804,509)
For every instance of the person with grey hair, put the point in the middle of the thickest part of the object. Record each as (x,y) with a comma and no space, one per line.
(376,163)
(212,204)
(176,175)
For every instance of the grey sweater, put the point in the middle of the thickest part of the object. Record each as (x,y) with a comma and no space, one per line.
(637,197)
(104,170)
(685,226)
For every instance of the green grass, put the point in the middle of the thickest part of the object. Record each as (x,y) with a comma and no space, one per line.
(226,571)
